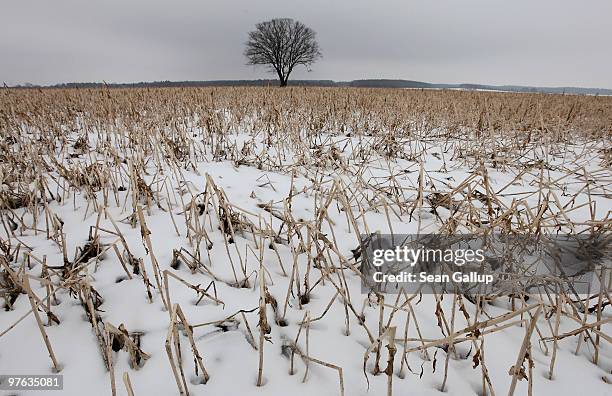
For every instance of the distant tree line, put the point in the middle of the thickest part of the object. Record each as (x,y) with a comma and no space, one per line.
(368,83)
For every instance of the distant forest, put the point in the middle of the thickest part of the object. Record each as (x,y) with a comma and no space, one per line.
(369,83)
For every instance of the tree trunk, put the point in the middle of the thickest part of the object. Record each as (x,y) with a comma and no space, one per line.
(283,78)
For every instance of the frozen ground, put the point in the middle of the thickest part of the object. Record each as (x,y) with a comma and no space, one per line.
(264,191)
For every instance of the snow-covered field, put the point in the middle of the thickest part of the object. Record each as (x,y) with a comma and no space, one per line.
(158,241)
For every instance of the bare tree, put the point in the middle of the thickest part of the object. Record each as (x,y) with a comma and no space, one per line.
(282,44)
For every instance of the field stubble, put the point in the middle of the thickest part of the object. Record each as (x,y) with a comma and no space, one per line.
(158,227)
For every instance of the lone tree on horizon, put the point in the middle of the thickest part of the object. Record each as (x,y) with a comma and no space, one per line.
(282,44)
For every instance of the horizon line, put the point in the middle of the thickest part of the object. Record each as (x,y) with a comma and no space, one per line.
(398,80)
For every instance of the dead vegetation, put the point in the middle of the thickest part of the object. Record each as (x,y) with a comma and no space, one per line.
(355,153)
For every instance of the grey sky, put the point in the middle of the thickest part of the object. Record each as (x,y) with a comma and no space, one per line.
(527,42)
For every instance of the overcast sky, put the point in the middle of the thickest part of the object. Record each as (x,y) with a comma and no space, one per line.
(524,42)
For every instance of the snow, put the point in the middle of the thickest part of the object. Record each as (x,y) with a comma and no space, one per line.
(227,355)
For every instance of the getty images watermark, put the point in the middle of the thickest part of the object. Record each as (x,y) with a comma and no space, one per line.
(407,256)
(475,264)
